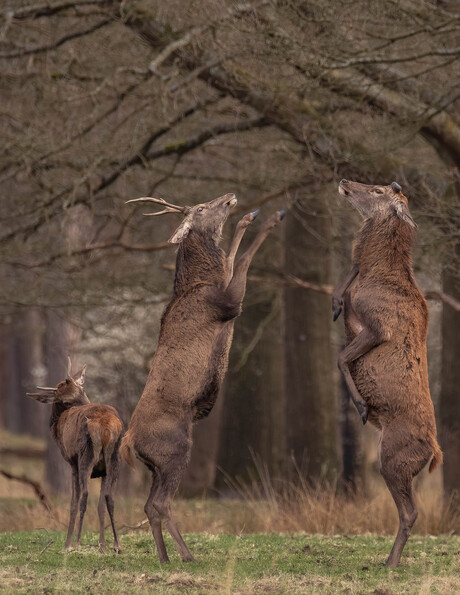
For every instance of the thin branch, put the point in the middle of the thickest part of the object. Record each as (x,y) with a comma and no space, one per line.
(45,9)
(173,47)
(444,298)
(35,485)
(274,310)
(119,244)
(59,42)
(138,158)
(119,100)
(23,452)
(393,59)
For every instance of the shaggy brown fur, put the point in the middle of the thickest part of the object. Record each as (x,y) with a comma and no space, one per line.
(89,438)
(192,354)
(384,363)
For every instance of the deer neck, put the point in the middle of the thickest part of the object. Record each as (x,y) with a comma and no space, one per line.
(199,260)
(59,408)
(384,245)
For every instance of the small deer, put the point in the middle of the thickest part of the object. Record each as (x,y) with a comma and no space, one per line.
(384,363)
(192,354)
(88,436)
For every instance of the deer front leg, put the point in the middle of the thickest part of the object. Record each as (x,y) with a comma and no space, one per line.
(337,296)
(237,285)
(360,345)
(241,227)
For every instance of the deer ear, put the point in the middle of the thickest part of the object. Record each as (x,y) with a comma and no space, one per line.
(43,397)
(181,232)
(402,211)
(79,377)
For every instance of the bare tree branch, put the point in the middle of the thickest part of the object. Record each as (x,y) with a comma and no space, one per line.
(35,485)
(57,43)
(48,8)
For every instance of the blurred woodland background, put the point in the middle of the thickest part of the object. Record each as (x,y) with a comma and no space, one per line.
(276,100)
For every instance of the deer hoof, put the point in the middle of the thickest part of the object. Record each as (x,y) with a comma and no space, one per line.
(337,304)
(117,549)
(102,548)
(188,558)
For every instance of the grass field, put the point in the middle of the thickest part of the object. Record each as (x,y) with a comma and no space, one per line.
(35,562)
(292,539)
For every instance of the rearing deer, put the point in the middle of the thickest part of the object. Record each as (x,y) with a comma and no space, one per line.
(384,363)
(192,354)
(88,436)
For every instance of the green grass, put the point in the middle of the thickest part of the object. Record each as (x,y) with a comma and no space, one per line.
(35,562)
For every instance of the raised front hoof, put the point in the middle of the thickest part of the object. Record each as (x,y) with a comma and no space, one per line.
(273,220)
(248,219)
(337,304)
(363,412)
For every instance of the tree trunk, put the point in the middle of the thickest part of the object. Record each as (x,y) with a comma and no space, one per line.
(351,441)
(61,341)
(201,473)
(22,370)
(449,398)
(311,404)
(253,405)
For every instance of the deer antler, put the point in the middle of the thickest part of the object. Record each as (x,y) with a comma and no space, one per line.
(69,366)
(170,208)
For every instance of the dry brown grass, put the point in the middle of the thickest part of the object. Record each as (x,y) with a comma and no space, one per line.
(264,506)
(258,508)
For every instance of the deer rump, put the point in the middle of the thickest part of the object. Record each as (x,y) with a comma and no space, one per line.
(93,428)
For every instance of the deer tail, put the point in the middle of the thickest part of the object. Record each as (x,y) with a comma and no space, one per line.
(437,457)
(126,449)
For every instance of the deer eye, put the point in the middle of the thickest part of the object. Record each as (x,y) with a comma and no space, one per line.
(199,209)
(378,191)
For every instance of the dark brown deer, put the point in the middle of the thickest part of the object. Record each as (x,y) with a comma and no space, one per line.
(384,363)
(192,354)
(88,436)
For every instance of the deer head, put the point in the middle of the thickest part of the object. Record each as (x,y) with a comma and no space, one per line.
(207,218)
(372,201)
(68,392)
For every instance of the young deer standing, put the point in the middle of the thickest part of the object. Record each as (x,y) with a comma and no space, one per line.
(192,354)
(384,363)
(89,438)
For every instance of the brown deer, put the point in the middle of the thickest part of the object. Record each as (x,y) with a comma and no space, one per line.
(384,363)
(88,436)
(192,354)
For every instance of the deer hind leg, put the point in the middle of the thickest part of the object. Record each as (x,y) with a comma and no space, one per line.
(112,466)
(101,513)
(73,506)
(398,468)
(85,466)
(169,481)
(155,520)
(360,345)
(237,285)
